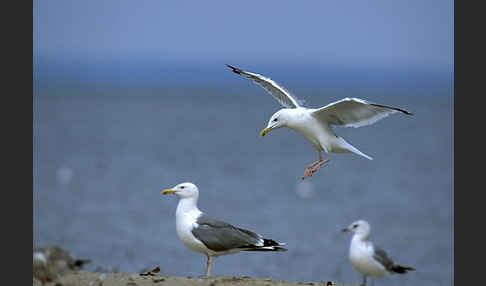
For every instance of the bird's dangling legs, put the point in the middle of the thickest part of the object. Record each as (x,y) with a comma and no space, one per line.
(208,266)
(364,281)
(312,168)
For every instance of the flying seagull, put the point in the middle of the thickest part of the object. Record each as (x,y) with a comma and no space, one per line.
(367,258)
(209,236)
(315,123)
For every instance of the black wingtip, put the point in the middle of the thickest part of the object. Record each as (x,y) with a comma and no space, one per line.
(272,248)
(394,108)
(402,269)
(270,242)
(279,248)
(235,70)
(403,111)
(406,112)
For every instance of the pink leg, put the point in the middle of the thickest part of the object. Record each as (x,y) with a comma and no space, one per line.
(208,266)
(314,167)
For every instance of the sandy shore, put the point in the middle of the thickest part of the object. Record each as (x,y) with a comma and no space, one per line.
(85,278)
(53,266)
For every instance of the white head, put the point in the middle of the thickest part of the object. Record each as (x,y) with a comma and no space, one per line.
(278,119)
(183,190)
(360,227)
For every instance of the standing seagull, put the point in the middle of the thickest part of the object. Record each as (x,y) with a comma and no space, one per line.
(367,258)
(209,236)
(315,123)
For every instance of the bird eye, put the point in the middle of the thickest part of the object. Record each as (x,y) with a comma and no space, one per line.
(182,187)
(276,119)
(355,226)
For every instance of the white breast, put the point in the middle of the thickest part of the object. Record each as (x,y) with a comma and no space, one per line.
(185,222)
(361,257)
(319,135)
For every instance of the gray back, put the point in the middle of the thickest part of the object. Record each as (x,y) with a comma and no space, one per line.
(220,236)
(381,256)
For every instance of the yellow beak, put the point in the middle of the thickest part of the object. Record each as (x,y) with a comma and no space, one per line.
(167,191)
(265,131)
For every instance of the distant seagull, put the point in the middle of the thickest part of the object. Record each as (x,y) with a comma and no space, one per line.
(367,258)
(211,237)
(315,123)
(50,263)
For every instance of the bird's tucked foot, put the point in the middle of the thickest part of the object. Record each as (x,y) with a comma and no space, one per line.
(309,171)
(314,167)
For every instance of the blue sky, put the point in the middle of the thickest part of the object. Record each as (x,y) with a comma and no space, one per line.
(341,35)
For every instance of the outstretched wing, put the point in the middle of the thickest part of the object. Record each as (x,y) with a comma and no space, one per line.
(279,93)
(220,236)
(354,112)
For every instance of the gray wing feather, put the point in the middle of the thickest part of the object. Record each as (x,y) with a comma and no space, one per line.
(220,236)
(354,112)
(381,256)
(279,93)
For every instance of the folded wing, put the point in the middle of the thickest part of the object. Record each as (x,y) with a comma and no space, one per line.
(381,256)
(221,236)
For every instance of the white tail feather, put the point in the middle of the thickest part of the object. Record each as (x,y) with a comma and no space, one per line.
(353,149)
